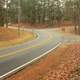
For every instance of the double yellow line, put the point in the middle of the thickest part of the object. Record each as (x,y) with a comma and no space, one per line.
(20,50)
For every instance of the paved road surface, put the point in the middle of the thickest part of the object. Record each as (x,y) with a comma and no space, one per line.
(13,57)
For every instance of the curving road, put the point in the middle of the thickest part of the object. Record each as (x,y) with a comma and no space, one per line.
(13,57)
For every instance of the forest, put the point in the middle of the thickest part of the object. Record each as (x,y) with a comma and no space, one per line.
(49,12)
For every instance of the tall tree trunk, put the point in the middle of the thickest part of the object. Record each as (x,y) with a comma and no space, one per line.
(1,16)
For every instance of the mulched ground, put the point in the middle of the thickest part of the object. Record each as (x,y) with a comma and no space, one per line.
(61,64)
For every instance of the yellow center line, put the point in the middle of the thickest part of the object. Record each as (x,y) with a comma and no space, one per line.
(20,50)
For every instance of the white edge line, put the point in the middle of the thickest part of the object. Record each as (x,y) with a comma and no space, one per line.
(24,65)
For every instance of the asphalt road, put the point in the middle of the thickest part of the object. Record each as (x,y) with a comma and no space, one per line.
(15,56)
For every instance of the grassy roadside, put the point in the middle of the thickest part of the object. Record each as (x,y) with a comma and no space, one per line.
(9,37)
